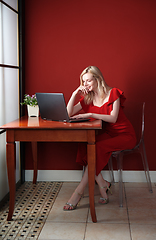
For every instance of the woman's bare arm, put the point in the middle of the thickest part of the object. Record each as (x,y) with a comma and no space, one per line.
(112,118)
(71,108)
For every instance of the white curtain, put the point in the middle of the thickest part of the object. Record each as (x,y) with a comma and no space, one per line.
(9,86)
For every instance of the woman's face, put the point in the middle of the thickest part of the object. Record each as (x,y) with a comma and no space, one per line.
(89,82)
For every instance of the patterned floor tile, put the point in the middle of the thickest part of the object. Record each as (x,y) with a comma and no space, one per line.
(32,206)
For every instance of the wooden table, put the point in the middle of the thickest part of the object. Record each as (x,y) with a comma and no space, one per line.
(37,130)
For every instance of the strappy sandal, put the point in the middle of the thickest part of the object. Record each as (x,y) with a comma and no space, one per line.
(108,189)
(105,200)
(72,207)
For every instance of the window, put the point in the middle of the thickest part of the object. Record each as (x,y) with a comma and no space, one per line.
(9,80)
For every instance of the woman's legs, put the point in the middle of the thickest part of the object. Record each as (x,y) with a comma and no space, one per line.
(78,191)
(81,187)
(103,186)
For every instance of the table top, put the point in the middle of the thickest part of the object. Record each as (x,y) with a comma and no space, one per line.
(38,123)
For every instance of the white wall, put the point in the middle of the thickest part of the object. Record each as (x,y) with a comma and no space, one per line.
(9,84)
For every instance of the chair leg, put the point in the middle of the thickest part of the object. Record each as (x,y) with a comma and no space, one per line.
(119,162)
(110,166)
(146,168)
(83,171)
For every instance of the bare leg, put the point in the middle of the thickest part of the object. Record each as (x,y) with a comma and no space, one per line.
(81,187)
(78,191)
(102,186)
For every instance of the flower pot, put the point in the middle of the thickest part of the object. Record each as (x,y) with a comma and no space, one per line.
(33,111)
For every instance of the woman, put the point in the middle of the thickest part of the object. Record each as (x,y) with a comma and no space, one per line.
(100,101)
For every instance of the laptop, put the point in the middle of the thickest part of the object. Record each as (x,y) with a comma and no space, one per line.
(52,107)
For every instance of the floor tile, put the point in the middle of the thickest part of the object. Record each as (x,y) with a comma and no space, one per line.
(32,206)
(67,190)
(141,203)
(142,216)
(143,232)
(110,215)
(107,231)
(78,215)
(140,193)
(63,231)
(137,184)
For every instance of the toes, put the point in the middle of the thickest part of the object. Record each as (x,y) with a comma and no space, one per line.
(102,201)
(66,207)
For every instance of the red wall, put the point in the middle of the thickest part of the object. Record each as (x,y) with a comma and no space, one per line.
(63,37)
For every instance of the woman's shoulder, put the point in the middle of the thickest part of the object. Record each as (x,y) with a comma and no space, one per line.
(115,94)
(117,91)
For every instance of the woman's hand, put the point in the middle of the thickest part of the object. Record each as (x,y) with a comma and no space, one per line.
(70,106)
(82,115)
(81,89)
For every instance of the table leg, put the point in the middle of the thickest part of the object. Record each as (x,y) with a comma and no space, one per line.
(91,178)
(34,152)
(11,168)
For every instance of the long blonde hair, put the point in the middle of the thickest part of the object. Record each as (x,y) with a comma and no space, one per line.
(102,85)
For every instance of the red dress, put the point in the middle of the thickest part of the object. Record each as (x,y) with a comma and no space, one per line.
(113,136)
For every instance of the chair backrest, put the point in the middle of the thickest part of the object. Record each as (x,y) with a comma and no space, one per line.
(135,112)
(143,122)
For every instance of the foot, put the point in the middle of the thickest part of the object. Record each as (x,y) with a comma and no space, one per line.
(107,185)
(73,201)
(104,200)
(108,188)
(104,190)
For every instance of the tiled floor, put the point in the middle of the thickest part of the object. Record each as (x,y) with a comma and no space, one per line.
(39,214)
(135,221)
(32,206)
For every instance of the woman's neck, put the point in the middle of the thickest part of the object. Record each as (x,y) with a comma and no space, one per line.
(99,100)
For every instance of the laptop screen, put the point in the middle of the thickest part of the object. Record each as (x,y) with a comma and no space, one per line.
(52,106)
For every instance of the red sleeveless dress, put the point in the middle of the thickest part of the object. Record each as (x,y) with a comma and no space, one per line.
(113,136)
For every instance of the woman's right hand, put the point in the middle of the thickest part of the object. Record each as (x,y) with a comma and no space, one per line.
(70,106)
(81,89)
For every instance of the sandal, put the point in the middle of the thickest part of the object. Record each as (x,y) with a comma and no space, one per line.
(71,206)
(106,200)
(108,189)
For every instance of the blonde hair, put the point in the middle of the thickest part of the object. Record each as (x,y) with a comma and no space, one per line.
(102,85)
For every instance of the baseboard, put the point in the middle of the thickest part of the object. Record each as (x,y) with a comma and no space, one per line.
(76,175)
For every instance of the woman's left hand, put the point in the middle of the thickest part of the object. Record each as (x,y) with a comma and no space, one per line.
(83,115)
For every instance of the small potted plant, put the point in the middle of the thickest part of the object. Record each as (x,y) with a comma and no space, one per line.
(32,105)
